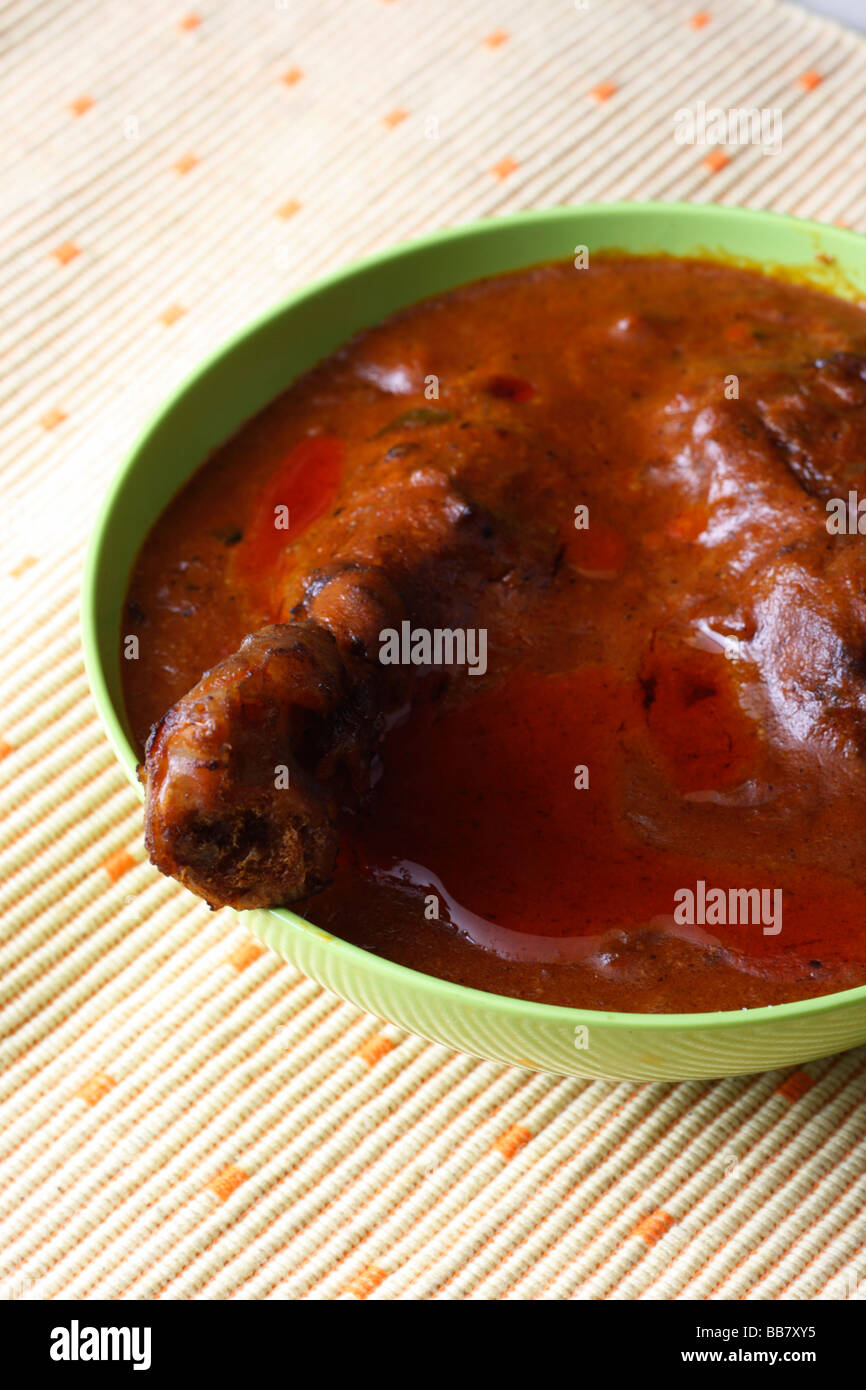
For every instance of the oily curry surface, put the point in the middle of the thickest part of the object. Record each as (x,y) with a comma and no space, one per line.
(612,485)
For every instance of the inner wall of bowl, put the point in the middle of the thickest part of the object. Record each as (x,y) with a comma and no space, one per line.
(241,377)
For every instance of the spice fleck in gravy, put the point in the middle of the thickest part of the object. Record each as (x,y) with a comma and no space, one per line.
(650,794)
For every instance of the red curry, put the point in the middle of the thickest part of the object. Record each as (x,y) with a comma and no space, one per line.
(621,477)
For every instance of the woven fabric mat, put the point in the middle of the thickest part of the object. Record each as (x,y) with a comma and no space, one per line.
(184,1115)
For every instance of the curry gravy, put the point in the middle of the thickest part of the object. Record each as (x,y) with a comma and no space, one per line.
(674,687)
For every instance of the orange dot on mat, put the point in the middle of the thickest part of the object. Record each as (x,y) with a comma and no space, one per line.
(172,314)
(497,38)
(511,1140)
(245,954)
(52,418)
(66,252)
(185,163)
(374,1048)
(227,1181)
(190,22)
(504,168)
(292,77)
(395,117)
(603,91)
(287,210)
(118,864)
(716,160)
(795,1085)
(23,566)
(80,105)
(95,1087)
(809,80)
(365,1281)
(652,1227)
(5,749)
(699,20)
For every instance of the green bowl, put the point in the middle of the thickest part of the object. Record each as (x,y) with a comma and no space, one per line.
(233,384)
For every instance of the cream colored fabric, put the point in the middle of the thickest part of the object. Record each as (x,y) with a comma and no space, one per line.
(182,1115)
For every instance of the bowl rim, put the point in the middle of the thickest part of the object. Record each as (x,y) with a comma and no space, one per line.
(506,1006)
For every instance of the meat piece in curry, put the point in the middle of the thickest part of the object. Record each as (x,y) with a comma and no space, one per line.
(620,477)
(310,695)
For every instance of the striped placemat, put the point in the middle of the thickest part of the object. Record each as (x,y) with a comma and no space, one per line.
(184,1115)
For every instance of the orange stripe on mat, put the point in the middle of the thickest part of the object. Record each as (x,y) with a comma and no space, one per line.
(365,1281)
(52,418)
(227,1181)
(795,1085)
(23,566)
(118,864)
(654,1226)
(511,1140)
(245,954)
(373,1049)
(716,161)
(95,1087)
